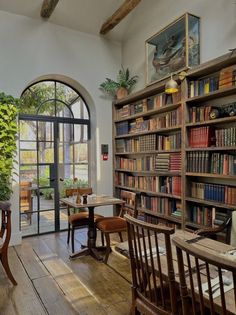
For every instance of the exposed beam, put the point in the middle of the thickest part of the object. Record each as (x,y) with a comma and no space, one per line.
(48,7)
(116,17)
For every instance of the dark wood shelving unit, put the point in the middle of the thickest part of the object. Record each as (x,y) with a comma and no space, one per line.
(219,97)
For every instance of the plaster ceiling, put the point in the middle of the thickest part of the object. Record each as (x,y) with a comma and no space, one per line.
(82,15)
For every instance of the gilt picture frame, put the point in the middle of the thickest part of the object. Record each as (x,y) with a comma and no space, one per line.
(173,49)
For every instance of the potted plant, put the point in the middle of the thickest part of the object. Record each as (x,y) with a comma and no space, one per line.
(8,137)
(122,87)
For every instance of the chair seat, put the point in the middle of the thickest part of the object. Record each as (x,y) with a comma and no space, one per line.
(81,218)
(111,224)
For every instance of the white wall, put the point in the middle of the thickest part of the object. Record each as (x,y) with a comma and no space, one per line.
(32,48)
(217,30)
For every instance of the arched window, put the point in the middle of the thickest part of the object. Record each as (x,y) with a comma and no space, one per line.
(54,134)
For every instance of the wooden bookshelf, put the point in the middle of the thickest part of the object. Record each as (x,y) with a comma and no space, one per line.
(225,149)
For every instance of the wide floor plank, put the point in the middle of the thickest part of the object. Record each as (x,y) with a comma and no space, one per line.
(50,283)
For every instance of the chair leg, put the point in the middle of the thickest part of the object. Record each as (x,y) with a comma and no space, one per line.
(102,238)
(73,239)
(121,238)
(5,264)
(108,247)
(68,234)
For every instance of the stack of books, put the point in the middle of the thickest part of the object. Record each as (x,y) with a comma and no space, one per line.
(201,137)
(227,77)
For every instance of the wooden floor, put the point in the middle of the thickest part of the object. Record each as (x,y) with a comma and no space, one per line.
(50,283)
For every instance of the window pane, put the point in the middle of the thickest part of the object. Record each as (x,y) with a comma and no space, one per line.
(28,153)
(28,130)
(47,109)
(81,153)
(65,93)
(28,173)
(46,152)
(81,133)
(45,131)
(79,109)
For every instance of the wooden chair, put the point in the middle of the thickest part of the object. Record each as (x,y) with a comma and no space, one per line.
(117,224)
(5,235)
(218,228)
(153,279)
(80,219)
(199,282)
(26,204)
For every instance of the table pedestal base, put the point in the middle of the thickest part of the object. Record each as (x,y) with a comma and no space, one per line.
(94,252)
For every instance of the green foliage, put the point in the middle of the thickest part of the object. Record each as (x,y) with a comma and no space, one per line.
(123,80)
(8,137)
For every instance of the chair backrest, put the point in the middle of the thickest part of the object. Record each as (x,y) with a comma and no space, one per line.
(5,232)
(153,278)
(204,278)
(25,196)
(130,205)
(79,191)
(25,192)
(220,226)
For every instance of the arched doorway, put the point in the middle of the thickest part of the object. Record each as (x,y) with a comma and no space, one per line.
(54,134)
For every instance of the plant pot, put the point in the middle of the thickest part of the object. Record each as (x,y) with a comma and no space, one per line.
(121,93)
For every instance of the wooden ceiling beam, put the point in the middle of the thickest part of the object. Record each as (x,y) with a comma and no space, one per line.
(119,14)
(48,7)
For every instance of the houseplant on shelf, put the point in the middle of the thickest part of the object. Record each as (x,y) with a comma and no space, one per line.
(8,146)
(122,86)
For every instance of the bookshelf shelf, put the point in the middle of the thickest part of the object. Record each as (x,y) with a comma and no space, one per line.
(156,173)
(233,177)
(148,152)
(212,149)
(212,95)
(213,122)
(162,130)
(142,111)
(210,203)
(163,109)
(152,193)
(169,218)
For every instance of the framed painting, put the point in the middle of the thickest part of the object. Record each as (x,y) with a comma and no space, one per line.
(173,49)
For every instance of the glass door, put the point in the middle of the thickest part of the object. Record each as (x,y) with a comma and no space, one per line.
(52,154)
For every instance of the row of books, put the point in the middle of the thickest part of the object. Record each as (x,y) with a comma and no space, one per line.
(131,109)
(224,79)
(227,77)
(198,162)
(207,162)
(214,192)
(139,144)
(201,137)
(168,185)
(163,162)
(203,86)
(150,142)
(224,164)
(146,163)
(225,137)
(202,215)
(154,102)
(162,205)
(199,114)
(168,162)
(169,142)
(170,119)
